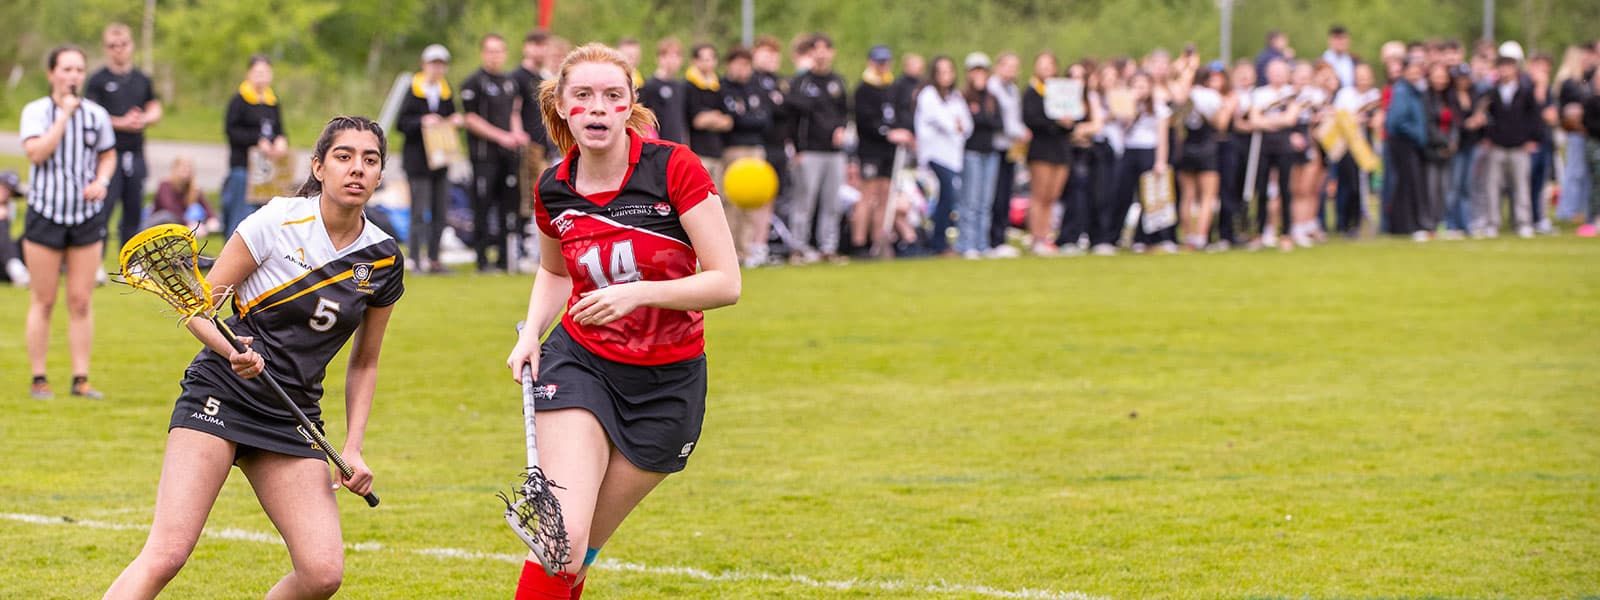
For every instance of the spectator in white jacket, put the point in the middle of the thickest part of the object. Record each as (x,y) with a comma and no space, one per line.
(942,125)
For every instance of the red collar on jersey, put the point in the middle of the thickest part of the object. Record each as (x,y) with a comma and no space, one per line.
(635,147)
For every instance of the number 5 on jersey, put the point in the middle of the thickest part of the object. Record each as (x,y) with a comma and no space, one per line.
(623,266)
(326,314)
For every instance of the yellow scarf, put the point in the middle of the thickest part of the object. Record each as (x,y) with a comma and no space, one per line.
(248,92)
(419,81)
(1037,85)
(694,77)
(875,79)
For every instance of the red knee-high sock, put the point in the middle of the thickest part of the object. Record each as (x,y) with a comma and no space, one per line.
(535,585)
(577,590)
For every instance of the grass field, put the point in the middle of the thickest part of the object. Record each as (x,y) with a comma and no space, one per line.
(1379,420)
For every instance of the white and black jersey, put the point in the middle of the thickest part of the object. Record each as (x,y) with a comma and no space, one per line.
(56,185)
(302,303)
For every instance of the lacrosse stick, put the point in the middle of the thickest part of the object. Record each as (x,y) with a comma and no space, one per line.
(163,260)
(532,510)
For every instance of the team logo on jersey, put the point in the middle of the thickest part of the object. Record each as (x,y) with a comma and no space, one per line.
(666,92)
(362,274)
(834,89)
(111,87)
(663,208)
(468,94)
(687,448)
(562,223)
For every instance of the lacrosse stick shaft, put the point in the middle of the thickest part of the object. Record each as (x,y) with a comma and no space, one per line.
(299,415)
(1252,161)
(527,407)
(527,415)
(887,229)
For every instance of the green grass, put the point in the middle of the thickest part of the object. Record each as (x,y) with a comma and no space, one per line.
(1382,420)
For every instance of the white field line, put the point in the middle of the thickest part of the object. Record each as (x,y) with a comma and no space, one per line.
(610,564)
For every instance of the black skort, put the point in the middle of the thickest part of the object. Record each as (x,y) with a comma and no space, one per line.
(652,414)
(1197,158)
(874,167)
(212,409)
(50,234)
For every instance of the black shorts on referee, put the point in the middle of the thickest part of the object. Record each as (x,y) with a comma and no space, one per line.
(652,414)
(50,234)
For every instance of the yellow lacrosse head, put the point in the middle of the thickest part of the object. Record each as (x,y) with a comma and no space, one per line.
(162,260)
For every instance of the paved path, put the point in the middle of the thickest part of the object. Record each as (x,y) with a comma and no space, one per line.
(210,160)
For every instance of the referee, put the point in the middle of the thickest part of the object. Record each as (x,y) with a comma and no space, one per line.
(128,97)
(69,140)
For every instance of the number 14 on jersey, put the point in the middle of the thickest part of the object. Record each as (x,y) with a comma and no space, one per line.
(623,266)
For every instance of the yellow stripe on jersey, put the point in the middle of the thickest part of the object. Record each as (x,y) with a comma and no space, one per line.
(242,309)
(298,221)
(379,264)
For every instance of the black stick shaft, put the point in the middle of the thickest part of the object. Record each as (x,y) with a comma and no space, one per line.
(299,415)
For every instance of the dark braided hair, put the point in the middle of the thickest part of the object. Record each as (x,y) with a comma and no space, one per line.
(313,186)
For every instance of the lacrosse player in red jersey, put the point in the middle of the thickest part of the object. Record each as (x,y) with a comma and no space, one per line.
(634,244)
(308,273)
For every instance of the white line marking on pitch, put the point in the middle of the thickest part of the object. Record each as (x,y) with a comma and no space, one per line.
(229,533)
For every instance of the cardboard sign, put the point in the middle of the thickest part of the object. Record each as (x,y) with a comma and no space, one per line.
(1155,193)
(268,177)
(1063,99)
(1120,102)
(441,142)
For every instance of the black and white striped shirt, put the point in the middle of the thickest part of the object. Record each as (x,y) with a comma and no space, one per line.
(56,186)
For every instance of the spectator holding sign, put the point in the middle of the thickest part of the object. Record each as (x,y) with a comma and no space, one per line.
(253,121)
(1048,154)
(429,106)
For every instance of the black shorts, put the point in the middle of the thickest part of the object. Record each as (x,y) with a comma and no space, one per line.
(874,167)
(50,234)
(211,409)
(1197,158)
(652,414)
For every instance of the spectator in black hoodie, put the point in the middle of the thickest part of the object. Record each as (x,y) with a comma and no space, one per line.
(913,68)
(767,59)
(1591,127)
(879,132)
(709,120)
(982,160)
(821,111)
(252,121)
(429,102)
(751,112)
(664,95)
(529,74)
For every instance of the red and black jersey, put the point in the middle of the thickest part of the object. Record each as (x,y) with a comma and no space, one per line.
(630,234)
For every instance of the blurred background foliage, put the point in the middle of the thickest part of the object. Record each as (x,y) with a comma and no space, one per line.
(342,57)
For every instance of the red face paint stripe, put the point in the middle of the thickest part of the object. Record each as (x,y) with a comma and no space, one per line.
(576,110)
(623,108)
